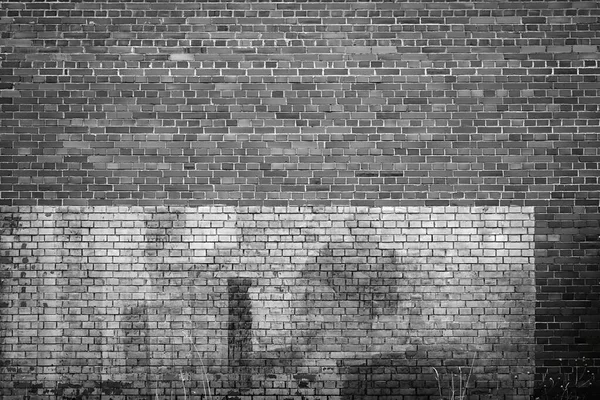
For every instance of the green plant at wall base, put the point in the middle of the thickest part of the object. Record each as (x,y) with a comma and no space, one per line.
(457,385)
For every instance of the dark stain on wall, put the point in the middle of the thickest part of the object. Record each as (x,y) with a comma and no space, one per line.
(10,224)
(358,271)
(136,341)
(110,387)
(303,380)
(385,376)
(30,387)
(74,391)
(410,374)
(240,331)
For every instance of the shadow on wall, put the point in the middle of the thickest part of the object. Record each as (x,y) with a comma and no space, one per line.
(410,375)
(385,376)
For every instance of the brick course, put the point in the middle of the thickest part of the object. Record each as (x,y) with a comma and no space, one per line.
(265,105)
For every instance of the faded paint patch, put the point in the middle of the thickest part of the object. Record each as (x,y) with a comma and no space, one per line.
(324,298)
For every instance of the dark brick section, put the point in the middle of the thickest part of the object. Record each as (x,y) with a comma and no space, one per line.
(568,289)
(318,103)
(183,103)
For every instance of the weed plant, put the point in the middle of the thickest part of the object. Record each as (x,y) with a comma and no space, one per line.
(207,392)
(457,384)
(581,384)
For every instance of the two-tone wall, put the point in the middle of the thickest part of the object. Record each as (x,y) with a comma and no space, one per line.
(298,199)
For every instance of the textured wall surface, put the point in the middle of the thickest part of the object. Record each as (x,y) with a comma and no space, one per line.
(327,303)
(279,108)
(276,103)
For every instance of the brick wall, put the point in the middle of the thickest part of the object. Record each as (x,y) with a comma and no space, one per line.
(325,303)
(289,105)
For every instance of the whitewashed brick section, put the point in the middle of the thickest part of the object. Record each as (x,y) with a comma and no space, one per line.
(308,299)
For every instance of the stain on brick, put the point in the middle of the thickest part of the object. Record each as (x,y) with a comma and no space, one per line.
(110,387)
(30,387)
(304,379)
(136,339)
(10,224)
(239,331)
(73,391)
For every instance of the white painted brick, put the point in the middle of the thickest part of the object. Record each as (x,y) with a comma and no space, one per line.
(445,260)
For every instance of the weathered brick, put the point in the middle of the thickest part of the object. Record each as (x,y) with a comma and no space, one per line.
(139,252)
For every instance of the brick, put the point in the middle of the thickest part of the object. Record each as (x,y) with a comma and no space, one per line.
(533,49)
(534,20)
(585,49)
(559,49)
(384,49)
